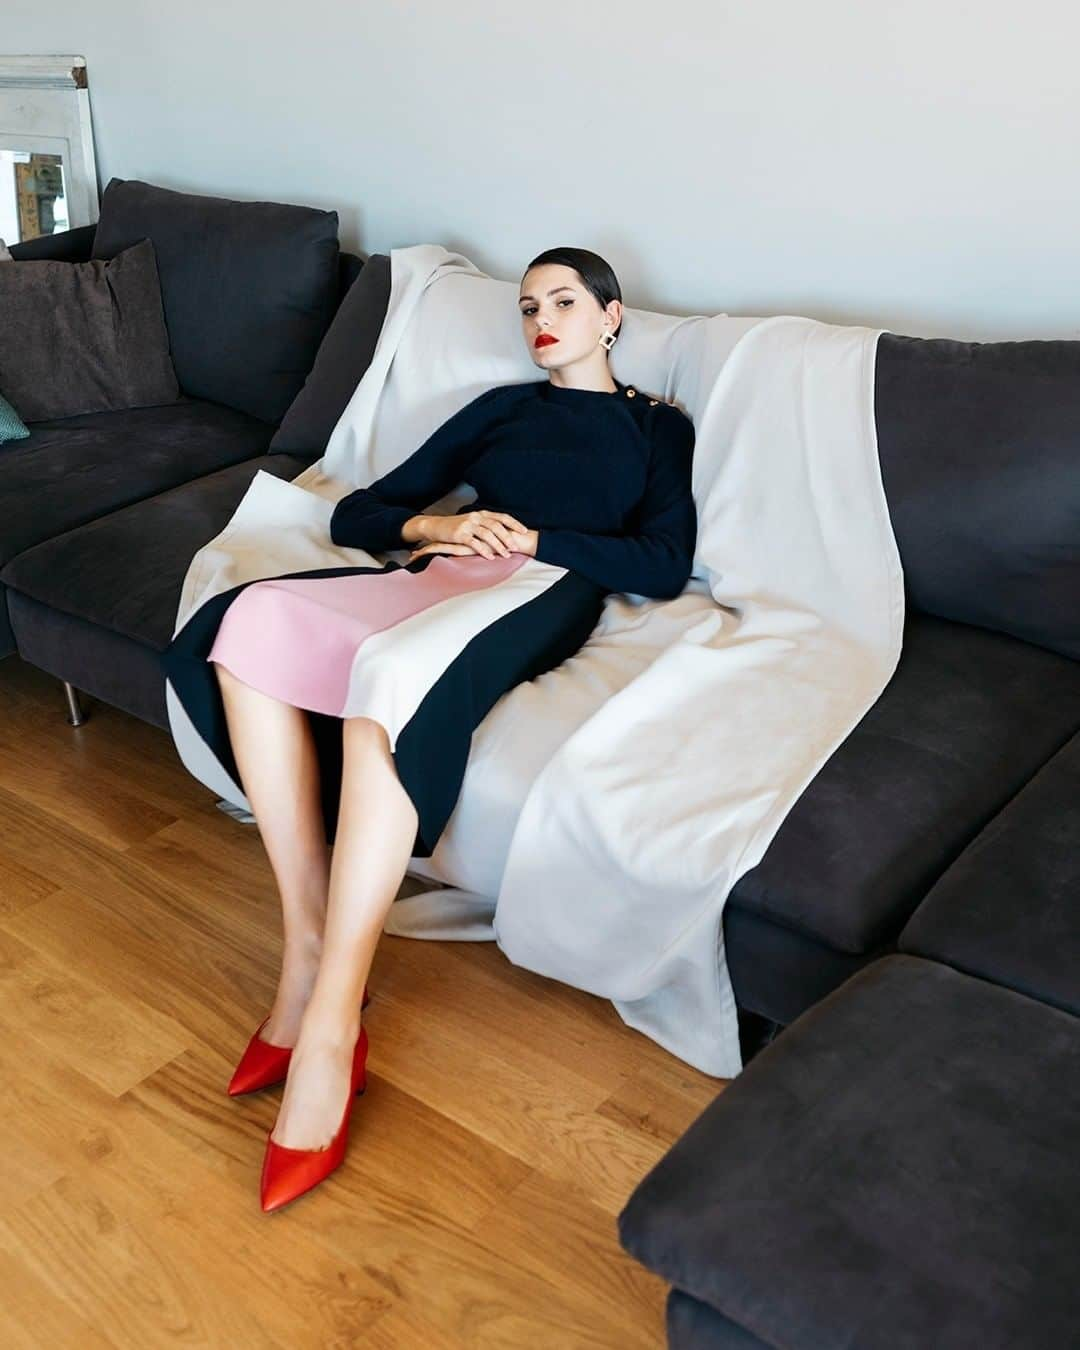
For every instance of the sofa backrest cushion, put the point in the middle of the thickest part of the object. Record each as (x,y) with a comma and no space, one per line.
(249,288)
(66,246)
(980,458)
(345,354)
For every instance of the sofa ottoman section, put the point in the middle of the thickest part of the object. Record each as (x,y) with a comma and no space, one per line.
(894,1172)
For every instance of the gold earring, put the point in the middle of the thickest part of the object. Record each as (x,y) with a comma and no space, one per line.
(607,340)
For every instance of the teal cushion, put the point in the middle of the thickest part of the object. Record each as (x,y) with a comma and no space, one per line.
(11,427)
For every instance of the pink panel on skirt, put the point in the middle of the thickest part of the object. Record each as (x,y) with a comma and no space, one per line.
(297,640)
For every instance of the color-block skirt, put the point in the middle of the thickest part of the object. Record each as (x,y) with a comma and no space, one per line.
(424,648)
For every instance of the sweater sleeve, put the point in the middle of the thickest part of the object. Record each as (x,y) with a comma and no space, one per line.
(371,517)
(658,558)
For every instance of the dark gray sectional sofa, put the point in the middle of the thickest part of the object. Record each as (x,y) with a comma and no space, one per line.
(978,446)
(913,925)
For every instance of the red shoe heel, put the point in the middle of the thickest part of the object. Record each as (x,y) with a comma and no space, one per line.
(262,1064)
(288,1173)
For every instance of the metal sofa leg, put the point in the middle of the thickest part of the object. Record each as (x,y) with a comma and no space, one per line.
(76,717)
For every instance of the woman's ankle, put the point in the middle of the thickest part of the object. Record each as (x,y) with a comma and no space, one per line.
(302,944)
(299,971)
(330,1024)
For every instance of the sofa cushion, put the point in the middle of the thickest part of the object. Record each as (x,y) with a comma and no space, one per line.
(84,337)
(249,288)
(967,718)
(896,1169)
(75,469)
(980,458)
(124,572)
(345,354)
(1008,909)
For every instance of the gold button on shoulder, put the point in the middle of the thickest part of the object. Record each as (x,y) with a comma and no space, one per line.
(630,393)
(653,402)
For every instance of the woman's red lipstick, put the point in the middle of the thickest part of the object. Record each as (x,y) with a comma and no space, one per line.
(544,340)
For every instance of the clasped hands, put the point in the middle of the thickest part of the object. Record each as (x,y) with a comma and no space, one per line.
(489,533)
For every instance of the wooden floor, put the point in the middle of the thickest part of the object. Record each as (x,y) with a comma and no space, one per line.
(506,1120)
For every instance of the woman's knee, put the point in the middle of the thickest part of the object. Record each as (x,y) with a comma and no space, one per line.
(367,738)
(234,692)
(366,732)
(237,694)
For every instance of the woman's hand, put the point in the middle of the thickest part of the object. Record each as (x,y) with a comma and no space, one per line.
(488,533)
(519,543)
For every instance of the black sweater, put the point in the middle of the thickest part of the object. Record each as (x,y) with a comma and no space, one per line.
(603,478)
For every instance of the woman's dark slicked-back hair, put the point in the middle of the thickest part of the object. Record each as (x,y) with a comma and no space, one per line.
(597,275)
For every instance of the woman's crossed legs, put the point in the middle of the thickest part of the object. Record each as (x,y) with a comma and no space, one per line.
(332,911)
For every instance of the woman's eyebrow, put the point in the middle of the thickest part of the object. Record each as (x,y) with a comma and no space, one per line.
(551,292)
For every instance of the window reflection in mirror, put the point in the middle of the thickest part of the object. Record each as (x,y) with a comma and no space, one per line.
(32,197)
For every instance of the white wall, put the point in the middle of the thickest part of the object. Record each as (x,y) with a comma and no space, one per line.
(912,166)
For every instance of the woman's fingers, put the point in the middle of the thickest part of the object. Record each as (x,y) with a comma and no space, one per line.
(440,548)
(500,518)
(508,528)
(512,521)
(494,534)
(480,544)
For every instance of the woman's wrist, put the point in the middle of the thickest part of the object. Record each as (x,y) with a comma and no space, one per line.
(414,531)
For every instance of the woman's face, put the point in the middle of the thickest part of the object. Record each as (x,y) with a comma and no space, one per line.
(554,304)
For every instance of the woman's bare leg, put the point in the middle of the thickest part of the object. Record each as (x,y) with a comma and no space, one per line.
(275,755)
(375,838)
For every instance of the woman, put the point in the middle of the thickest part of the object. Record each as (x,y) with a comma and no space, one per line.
(583,488)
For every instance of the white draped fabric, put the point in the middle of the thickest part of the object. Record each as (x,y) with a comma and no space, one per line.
(610,805)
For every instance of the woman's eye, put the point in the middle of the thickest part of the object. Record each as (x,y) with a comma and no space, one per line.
(531,309)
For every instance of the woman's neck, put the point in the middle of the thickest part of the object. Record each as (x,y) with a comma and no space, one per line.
(592,379)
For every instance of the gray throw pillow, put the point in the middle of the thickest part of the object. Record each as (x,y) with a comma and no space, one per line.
(344,355)
(84,337)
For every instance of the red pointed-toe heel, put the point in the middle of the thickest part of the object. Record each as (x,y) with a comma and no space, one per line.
(262,1064)
(289,1172)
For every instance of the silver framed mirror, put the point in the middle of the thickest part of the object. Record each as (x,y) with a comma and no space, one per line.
(48,173)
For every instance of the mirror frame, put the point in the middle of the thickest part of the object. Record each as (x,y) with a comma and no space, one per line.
(45,108)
